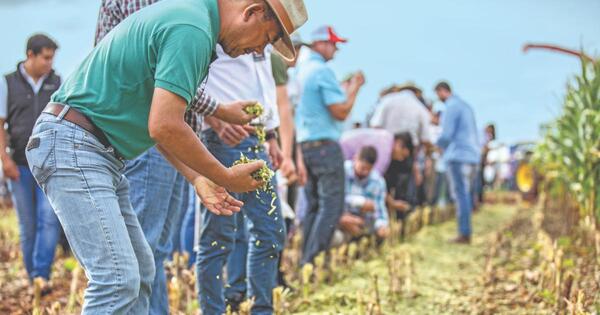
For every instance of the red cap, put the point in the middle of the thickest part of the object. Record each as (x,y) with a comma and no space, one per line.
(326,33)
(333,37)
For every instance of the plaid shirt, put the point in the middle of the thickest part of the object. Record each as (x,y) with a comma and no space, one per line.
(373,188)
(112,12)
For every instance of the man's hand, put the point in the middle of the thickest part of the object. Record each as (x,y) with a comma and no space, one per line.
(400,205)
(369,206)
(352,224)
(383,232)
(231,134)
(417,174)
(275,153)
(216,199)
(288,170)
(240,179)
(418,178)
(234,113)
(10,168)
(301,169)
(358,79)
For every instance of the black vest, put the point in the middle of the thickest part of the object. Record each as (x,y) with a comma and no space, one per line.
(23,109)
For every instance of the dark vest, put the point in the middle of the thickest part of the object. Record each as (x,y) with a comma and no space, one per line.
(23,109)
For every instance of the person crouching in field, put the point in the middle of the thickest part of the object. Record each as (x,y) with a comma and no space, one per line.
(401,187)
(365,211)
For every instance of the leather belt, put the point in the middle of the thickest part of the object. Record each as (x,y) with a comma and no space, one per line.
(78,118)
(315,144)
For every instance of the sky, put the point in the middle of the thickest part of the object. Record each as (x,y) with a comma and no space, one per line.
(475,45)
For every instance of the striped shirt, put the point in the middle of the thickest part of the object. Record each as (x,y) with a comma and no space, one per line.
(112,12)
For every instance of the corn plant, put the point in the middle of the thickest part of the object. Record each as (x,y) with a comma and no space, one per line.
(394,275)
(409,271)
(37,296)
(352,251)
(333,264)
(570,151)
(307,271)
(376,304)
(320,267)
(281,297)
(362,248)
(341,254)
(246,307)
(360,304)
(54,309)
(73,296)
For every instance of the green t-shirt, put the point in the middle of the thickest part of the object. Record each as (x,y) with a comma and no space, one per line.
(168,45)
(279,68)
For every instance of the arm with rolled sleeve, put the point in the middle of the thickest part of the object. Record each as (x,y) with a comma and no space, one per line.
(203,104)
(449,124)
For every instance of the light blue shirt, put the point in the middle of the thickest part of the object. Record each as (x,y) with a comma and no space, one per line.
(459,137)
(320,89)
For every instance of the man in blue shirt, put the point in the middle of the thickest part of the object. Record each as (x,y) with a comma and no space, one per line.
(460,143)
(323,107)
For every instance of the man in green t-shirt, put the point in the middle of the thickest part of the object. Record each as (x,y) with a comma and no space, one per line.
(128,95)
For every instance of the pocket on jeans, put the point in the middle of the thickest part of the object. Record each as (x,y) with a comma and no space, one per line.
(41,156)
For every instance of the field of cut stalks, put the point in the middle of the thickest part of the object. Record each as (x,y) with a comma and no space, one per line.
(524,260)
(538,258)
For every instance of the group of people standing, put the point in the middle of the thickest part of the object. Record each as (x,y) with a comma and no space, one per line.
(411,155)
(155,117)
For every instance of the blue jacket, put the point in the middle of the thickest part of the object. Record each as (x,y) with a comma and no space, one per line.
(459,139)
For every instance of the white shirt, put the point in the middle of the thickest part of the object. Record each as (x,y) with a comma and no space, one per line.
(245,78)
(36,86)
(403,112)
(294,86)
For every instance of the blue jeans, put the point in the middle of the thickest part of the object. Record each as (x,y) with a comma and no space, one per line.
(156,190)
(460,178)
(266,236)
(237,283)
(83,182)
(325,197)
(186,235)
(38,226)
(440,190)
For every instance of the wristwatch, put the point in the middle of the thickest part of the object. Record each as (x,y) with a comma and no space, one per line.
(272,134)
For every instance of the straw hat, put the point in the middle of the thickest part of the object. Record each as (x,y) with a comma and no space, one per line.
(395,88)
(291,14)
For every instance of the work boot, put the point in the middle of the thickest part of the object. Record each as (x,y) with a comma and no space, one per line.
(461,239)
